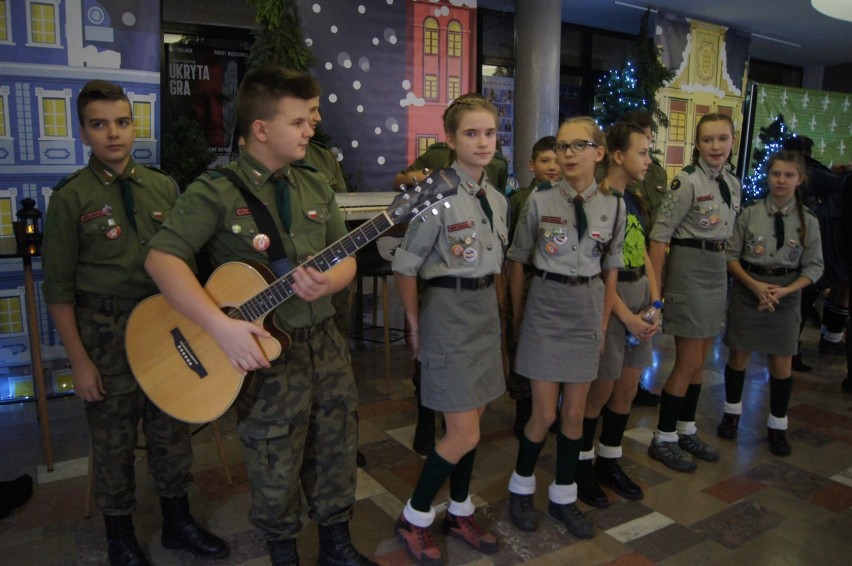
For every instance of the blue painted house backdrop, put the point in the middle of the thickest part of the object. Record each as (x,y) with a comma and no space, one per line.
(48,50)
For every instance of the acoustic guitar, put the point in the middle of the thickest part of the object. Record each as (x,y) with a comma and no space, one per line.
(182,369)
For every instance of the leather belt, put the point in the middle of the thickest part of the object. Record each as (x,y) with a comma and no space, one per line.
(466,283)
(105,303)
(767,271)
(709,245)
(564,279)
(631,275)
(305,333)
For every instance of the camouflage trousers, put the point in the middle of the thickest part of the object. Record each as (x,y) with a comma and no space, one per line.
(113,423)
(299,430)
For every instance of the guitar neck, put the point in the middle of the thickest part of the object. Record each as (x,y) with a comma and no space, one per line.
(282,288)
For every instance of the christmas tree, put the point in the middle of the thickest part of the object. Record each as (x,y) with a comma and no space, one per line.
(633,86)
(771,138)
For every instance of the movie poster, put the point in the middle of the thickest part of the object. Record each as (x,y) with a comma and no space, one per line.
(201,82)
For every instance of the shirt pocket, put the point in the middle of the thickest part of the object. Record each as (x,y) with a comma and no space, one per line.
(462,239)
(552,237)
(602,235)
(319,214)
(104,237)
(754,246)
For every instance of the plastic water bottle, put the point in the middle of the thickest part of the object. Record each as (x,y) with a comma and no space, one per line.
(648,315)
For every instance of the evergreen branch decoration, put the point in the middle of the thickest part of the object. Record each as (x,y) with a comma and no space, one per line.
(772,138)
(280,40)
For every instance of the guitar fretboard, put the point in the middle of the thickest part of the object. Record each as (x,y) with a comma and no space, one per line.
(282,288)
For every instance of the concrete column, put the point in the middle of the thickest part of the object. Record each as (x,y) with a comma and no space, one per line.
(538,33)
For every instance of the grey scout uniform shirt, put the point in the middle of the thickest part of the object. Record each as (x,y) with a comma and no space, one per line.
(90,245)
(547,229)
(754,241)
(459,241)
(214,212)
(693,206)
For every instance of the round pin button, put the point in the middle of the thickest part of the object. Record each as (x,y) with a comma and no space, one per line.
(260,242)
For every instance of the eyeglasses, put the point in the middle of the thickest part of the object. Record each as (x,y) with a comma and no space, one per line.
(577,146)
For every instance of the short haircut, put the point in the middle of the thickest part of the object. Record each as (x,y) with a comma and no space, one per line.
(99,90)
(466,103)
(263,88)
(802,144)
(544,144)
(640,118)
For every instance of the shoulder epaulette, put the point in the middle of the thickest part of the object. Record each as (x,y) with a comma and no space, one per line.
(64,181)
(439,145)
(214,173)
(157,169)
(303,165)
(544,185)
(809,211)
(689,169)
(750,204)
(617,193)
(318,143)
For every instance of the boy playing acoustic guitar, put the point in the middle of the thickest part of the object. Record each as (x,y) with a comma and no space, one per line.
(298,416)
(96,230)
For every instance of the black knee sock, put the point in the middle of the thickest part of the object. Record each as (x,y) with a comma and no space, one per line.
(690,403)
(567,456)
(528,452)
(432,477)
(460,477)
(780,391)
(669,411)
(612,429)
(834,317)
(590,426)
(734,379)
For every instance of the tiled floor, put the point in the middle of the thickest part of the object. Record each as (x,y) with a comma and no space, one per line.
(749,508)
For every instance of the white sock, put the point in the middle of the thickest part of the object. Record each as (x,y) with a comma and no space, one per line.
(612,452)
(418,518)
(686,427)
(734,408)
(463,509)
(661,436)
(562,494)
(587,455)
(522,485)
(776,422)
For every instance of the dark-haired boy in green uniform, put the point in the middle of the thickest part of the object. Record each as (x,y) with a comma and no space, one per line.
(97,230)
(299,416)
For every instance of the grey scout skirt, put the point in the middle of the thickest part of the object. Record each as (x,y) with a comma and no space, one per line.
(636,295)
(561,331)
(772,333)
(461,362)
(695,292)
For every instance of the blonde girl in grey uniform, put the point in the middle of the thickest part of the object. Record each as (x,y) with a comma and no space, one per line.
(573,231)
(455,332)
(695,220)
(612,393)
(774,253)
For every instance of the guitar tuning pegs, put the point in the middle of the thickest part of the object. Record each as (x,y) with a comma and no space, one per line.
(403,188)
(434,211)
(422,218)
(406,196)
(430,180)
(446,204)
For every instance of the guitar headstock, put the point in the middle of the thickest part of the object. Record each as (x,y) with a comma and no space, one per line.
(438,186)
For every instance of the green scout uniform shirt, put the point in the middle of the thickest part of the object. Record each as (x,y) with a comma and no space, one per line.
(652,189)
(754,240)
(693,206)
(214,212)
(438,156)
(322,159)
(90,245)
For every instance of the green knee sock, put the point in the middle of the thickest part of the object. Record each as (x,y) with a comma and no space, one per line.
(460,477)
(567,456)
(780,391)
(432,477)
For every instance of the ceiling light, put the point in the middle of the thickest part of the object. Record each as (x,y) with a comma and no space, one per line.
(840,9)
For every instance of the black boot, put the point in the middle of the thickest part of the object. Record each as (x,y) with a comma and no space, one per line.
(15,493)
(336,547)
(523,412)
(283,552)
(424,434)
(728,427)
(588,489)
(798,364)
(122,547)
(180,531)
(645,398)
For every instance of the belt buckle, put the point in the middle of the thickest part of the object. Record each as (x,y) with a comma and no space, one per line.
(572,280)
(718,246)
(480,283)
(771,272)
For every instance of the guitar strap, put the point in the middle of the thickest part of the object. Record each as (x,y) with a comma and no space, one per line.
(262,217)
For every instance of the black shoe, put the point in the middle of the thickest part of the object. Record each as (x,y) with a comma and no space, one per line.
(523,411)
(336,547)
(15,493)
(672,455)
(522,512)
(181,532)
(728,427)
(577,524)
(846,384)
(826,347)
(424,434)
(588,489)
(645,398)
(283,552)
(799,365)
(778,443)
(697,447)
(608,472)
(122,547)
